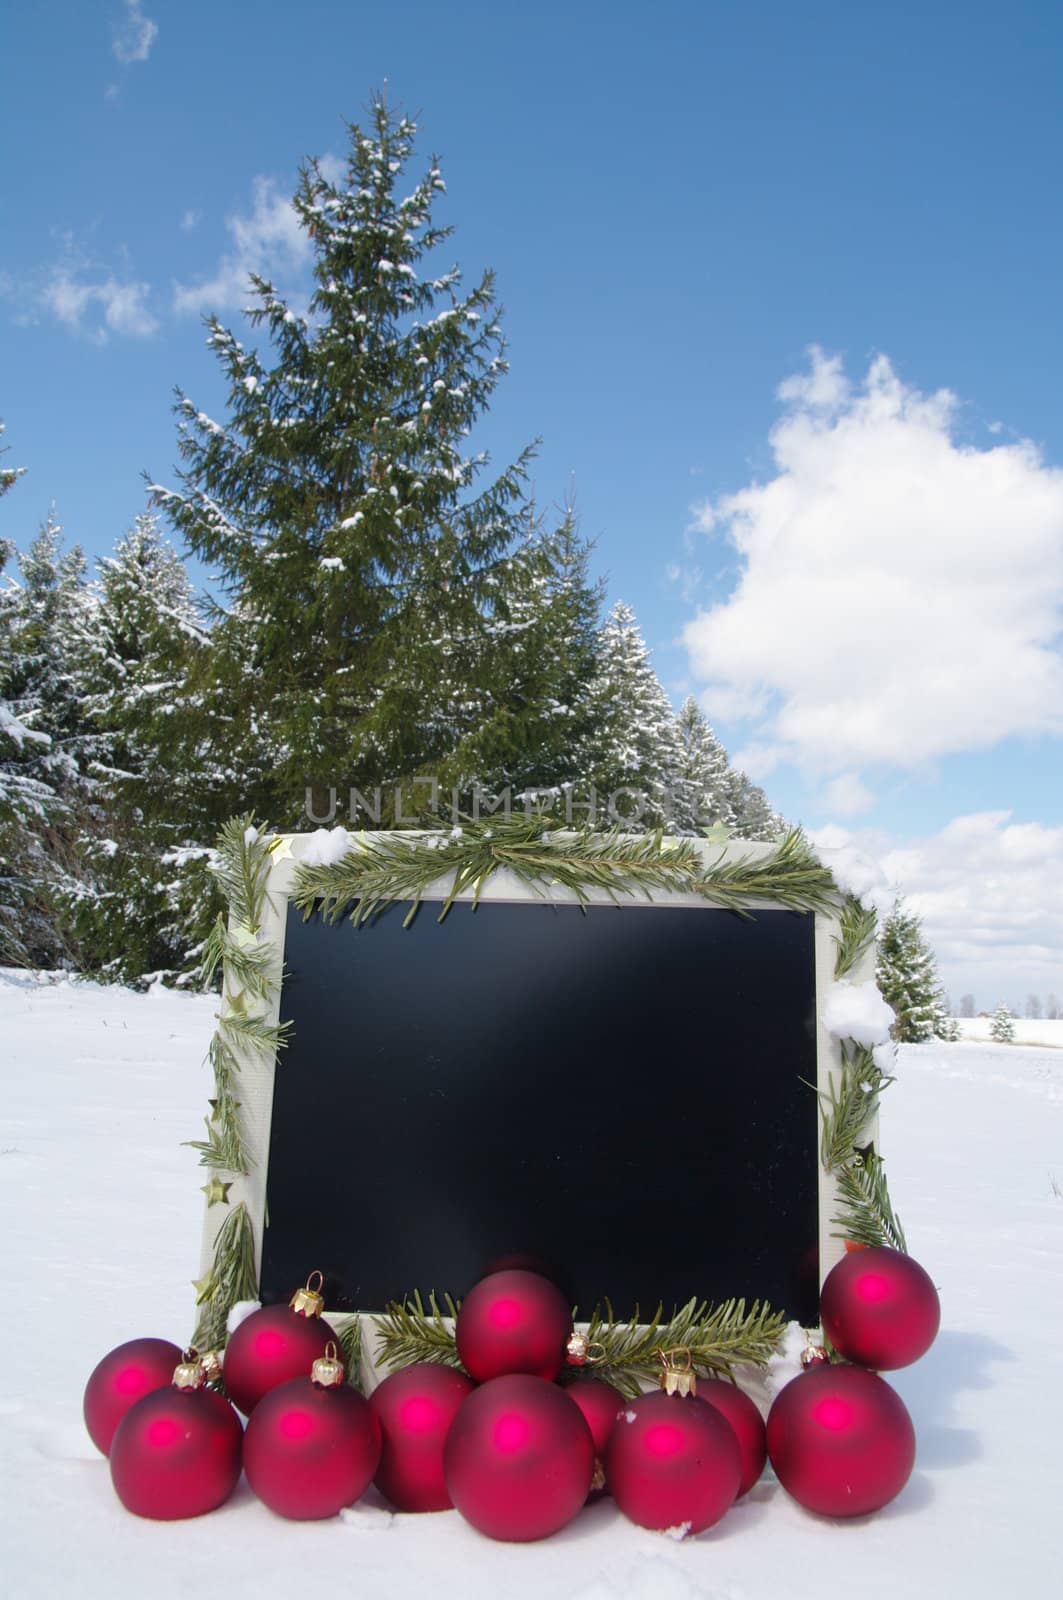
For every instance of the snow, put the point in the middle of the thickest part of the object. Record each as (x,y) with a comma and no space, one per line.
(326,846)
(857,1011)
(103,1216)
(854,872)
(17,731)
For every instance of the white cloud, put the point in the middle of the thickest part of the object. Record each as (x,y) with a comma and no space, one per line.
(268,241)
(847,796)
(121,306)
(190,219)
(987,889)
(900,592)
(133,35)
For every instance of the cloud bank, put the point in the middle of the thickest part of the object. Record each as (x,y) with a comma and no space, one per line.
(987,888)
(900,592)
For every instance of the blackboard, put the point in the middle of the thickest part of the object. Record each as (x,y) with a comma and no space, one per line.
(618,1097)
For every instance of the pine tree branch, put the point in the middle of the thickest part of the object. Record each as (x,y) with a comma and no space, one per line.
(719,1338)
(242,869)
(386,868)
(791,875)
(223,1148)
(848,1105)
(409,1332)
(867,1215)
(230,1278)
(349,1339)
(858,925)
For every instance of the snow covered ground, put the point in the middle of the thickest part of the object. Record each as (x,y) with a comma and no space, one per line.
(102,1222)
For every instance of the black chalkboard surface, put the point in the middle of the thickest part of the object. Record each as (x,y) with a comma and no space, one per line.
(619,1098)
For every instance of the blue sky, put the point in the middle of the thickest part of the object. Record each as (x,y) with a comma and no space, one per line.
(679,201)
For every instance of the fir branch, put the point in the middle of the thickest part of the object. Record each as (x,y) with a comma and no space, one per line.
(857,930)
(867,1215)
(267,1037)
(229,1279)
(408,1332)
(719,1338)
(791,875)
(349,1339)
(242,869)
(224,1063)
(848,1104)
(223,1148)
(402,866)
(247,966)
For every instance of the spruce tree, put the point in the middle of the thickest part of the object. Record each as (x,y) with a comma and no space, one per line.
(371,566)
(635,746)
(705,791)
(29,803)
(907,977)
(1002,1027)
(145,898)
(754,815)
(532,743)
(46,746)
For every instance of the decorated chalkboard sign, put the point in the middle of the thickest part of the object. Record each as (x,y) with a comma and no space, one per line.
(600,1056)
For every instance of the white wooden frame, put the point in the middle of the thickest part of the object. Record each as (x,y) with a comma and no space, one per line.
(256,1070)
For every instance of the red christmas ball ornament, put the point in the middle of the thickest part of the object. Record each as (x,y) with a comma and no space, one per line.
(747,1422)
(312,1444)
(519,1458)
(880,1309)
(275,1344)
(511,1322)
(841,1441)
(600,1404)
(122,1378)
(176,1453)
(673,1460)
(415,1408)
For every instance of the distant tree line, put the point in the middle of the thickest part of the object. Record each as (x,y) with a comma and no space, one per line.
(384,607)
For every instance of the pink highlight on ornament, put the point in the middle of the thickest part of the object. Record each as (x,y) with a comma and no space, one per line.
(130,1381)
(295,1425)
(419,1414)
(833,1414)
(505,1314)
(664,1440)
(872,1286)
(269,1343)
(162,1432)
(511,1432)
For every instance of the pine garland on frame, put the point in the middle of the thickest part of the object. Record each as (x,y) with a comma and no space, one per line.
(383,869)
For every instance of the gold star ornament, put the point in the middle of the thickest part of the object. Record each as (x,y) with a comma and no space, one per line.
(217,1192)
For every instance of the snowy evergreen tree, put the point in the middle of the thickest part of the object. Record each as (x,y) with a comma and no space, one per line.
(636,745)
(29,804)
(706,790)
(533,742)
(754,816)
(371,571)
(46,745)
(9,476)
(145,899)
(1002,1027)
(907,977)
